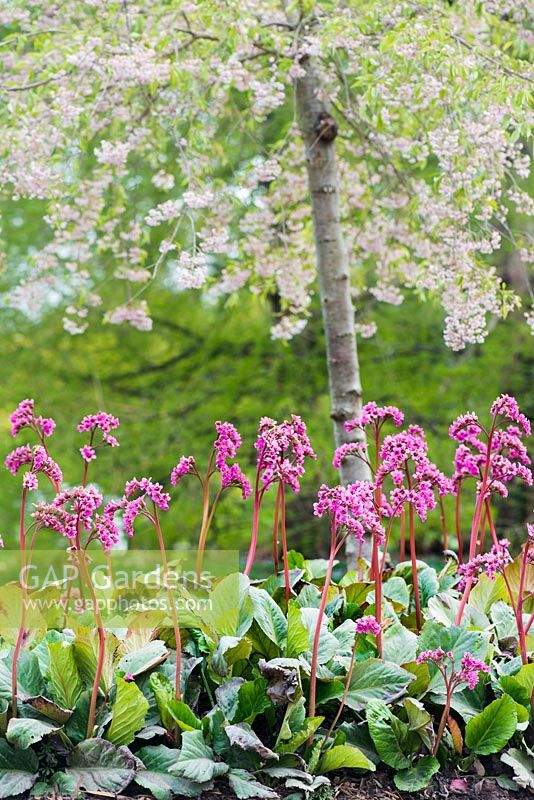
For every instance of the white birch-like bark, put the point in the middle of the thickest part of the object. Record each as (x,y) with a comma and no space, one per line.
(319,132)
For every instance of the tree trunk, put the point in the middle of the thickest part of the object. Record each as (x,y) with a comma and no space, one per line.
(319,132)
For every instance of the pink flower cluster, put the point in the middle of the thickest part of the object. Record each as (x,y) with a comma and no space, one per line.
(39,461)
(351,507)
(24,417)
(102,421)
(507,457)
(356,449)
(368,624)
(372,414)
(506,406)
(148,488)
(225,447)
(491,564)
(80,503)
(185,466)
(416,479)
(282,449)
(134,506)
(226,444)
(470,667)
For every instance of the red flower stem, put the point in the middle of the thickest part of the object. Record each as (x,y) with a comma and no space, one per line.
(444,716)
(519,613)
(443,521)
(322,606)
(21,631)
(413,556)
(529,623)
(344,697)
(459,524)
(484,524)
(402,549)
(489,517)
(101,643)
(258,494)
(475,526)
(378,501)
(205,519)
(172,605)
(284,544)
(276,564)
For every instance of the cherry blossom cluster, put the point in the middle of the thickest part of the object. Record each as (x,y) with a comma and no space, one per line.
(282,450)
(426,197)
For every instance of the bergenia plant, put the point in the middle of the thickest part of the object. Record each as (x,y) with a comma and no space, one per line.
(352,512)
(494,456)
(224,449)
(282,450)
(72,513)
(366,625)
(416,482)
(468,674)
(38,462)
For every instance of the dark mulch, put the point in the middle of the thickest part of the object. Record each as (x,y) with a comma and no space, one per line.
(381,787)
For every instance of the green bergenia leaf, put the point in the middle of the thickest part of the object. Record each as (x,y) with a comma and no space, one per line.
(157,778)
(417,777)
(196,760)
(489,731)
(18,770)
(128,712)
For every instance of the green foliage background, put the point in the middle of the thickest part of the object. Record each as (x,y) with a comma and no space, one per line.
(205,362)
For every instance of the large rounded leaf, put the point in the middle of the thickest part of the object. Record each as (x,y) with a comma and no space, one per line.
(374,679)
(489,731)
(97,765)
(416,778)
(23,732)
(156,777)
(18,770)
(344,756)
(129,711)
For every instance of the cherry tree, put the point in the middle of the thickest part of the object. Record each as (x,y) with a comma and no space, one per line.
(183,142)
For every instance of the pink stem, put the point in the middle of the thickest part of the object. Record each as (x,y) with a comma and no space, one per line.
(402,549)
(21,632)
(475,526)
(276,564)
(519,613)
(284,545)
(459,524)
(322,606)
(443,524)
(177,636)
(344,697)
(255,523)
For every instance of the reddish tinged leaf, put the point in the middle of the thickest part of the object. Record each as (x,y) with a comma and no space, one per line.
(456,733)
